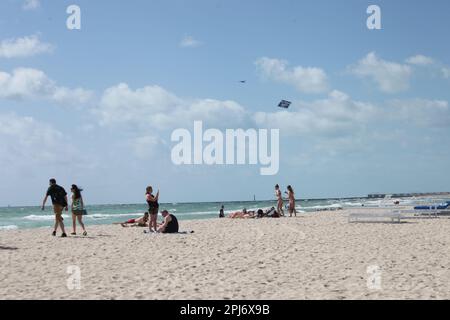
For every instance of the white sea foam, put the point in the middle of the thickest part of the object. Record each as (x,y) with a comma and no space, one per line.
(34,217)
(331,206)
(202,213)
(352,204)
(11,227)
(112,215)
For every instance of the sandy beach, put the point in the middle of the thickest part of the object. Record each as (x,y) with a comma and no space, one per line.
(313,256)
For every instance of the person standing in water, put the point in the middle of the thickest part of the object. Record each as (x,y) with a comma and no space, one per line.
(78,210)
(221,212)
(59,201)
(279,200)
(291,197)
(153,207)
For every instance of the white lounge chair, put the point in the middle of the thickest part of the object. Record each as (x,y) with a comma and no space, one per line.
(374,216)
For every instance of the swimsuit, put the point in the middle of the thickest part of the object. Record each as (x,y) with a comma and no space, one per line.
(153,206)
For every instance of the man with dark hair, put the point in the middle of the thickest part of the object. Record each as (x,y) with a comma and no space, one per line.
(59,201)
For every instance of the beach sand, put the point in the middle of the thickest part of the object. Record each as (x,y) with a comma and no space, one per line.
(313,256)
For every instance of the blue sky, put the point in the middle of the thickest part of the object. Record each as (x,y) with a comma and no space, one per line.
(97,106)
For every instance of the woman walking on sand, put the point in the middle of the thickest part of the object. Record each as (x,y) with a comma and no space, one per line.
(153,207)
(291,197)
(78,210)
(279,200)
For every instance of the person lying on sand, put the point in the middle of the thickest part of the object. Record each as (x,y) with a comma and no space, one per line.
(244,214)
(268,213)
(141,222)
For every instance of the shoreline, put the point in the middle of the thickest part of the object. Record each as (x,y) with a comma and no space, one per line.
(313,256)
(366,197)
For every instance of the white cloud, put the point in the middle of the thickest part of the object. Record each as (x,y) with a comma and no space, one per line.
(31,4)
(445,72)
(23,47)
(26,83)
(145,147)
(148,114)
(190,42)
(25,141)
(304,79)
(154,107)
(421,112)
(338,115)
(420,60)
(390,77)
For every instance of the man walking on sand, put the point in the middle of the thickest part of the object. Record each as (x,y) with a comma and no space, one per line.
(59,201)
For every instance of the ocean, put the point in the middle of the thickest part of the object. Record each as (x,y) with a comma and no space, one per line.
(32,217)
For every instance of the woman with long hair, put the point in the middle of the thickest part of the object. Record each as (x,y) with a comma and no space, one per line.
(279,200)
(78,210)
(291,197)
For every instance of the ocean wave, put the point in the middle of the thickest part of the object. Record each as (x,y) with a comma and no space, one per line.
(34,217)
(112,215)
(89,216)
(332,206)
(11,227)
(201,213)
(352,204)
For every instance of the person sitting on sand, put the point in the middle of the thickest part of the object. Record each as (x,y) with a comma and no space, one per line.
(274,214)
(260,214)
(141,222)
(268,213)
(170,224)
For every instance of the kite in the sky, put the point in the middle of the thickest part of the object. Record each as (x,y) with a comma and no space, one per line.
(243,81)
(284,104)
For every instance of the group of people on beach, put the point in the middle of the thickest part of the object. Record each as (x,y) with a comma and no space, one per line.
(170,224)
(271,212)
(291,198)
(60,202)
(150,218)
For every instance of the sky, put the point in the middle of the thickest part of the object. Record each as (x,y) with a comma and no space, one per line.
(97,106)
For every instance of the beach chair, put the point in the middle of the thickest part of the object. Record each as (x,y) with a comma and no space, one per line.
(387,201)
(433,210)
(428,211)
(395,216)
